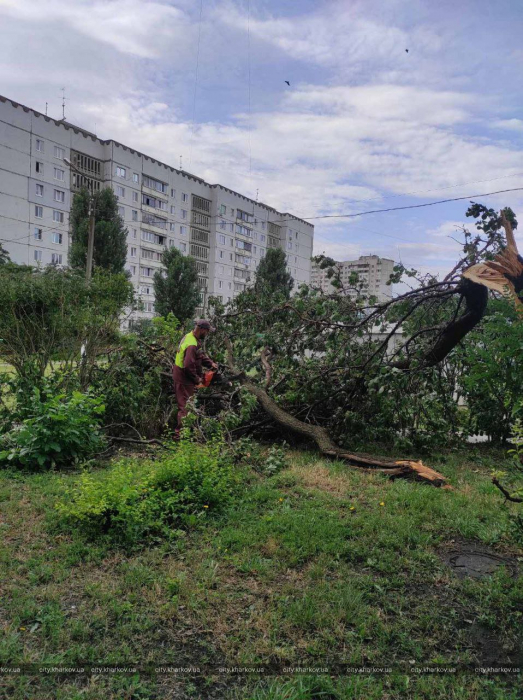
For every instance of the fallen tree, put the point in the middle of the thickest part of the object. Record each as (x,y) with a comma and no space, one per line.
(314,360)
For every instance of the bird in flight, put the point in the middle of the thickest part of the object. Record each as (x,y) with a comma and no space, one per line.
(288,83)
(406,50)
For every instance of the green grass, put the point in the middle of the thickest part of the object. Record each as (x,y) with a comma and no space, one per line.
(304,566)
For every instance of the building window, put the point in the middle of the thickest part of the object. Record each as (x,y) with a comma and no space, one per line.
(57,237)
(39,212)
(132,269)
(59,196)
(120,191)
(262,238)
(134,215)
(58,216)
(221,238)
(184,213)
(220,284)
(183,230)
(154,184)
(173,209)
(39,168)
(135,196)
(221,254)
(185,197)
(121,172)
(230,285)
(223,209)
(172,226)
(37,254)
(149,306)
(56,258)
(173,192)
(59,174)
(40,145)
(263,225)
(121,211)
(39,190)
(222,224)
(37,234)
(171,243)
(183,247)
(136,178)
(59,153)
(134,233)
(133,252)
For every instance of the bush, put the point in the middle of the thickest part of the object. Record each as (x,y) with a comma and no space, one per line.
(61,430)
(135,378)
(266,462)
(136,500)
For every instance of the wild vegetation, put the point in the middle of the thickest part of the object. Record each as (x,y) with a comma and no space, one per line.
(271,533)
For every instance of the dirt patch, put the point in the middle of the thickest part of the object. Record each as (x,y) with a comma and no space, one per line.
(490,650)
(474,560)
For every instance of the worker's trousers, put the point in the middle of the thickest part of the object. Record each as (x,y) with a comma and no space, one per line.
(183,393)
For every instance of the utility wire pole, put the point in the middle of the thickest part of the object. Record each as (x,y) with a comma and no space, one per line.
(90,235)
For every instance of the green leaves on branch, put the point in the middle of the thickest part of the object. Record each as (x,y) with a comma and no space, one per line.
(110,233)
(176,288)
(61,431)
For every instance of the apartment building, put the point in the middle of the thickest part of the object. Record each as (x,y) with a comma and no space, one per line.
(227,233)
(373,274)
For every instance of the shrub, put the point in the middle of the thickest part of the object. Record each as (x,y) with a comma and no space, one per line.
(136,500)
(61,430)
(135,378)
(266,462)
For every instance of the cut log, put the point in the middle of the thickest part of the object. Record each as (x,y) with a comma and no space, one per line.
(393,468)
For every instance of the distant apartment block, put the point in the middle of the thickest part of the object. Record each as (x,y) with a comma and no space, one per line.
(373,274)
(227,233)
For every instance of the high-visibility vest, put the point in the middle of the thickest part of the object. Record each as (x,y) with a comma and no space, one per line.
(185,342)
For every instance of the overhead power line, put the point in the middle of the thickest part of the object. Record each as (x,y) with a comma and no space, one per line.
(410,206)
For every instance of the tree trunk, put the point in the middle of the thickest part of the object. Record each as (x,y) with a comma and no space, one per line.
(398,468)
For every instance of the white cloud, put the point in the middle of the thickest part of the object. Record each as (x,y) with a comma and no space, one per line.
(511,124)
(137,27)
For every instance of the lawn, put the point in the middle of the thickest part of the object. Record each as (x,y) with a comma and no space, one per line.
(317,564)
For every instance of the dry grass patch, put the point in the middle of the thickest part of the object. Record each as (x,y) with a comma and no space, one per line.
(318,477)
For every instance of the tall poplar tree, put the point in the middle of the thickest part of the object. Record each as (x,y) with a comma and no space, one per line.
(110,233)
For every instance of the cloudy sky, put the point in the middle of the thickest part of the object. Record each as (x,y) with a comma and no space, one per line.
(363,125)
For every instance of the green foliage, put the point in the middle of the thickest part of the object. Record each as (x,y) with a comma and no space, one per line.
(51,313)
(273,281)
(61,431)
(4,256)
(136,500)
(266,462)
(135,379)
(110,233)
(492,372)
(176,290)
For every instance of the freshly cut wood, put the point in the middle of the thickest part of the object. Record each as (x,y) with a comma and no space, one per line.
(504,272)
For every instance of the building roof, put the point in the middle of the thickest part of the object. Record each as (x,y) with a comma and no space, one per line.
(88,134)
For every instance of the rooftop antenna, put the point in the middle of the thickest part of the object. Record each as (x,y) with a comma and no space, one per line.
(181,163)
(63,104)
(46,109)
(257,192)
